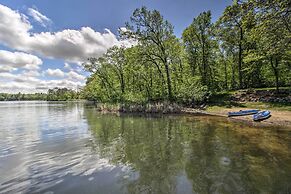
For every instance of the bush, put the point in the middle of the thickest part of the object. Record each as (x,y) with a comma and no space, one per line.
(192,92)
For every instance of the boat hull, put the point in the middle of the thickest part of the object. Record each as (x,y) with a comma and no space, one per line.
(243,113)
(262,115)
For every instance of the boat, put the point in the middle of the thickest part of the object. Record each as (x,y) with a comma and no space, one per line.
(243,112)
(262,115)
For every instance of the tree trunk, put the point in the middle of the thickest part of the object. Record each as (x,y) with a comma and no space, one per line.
(240,59)
(170,96)
(204,63)
(276,72)
(233,83)
(122,84)
(225,75)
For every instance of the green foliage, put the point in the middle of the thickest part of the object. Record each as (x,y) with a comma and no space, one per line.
(201,48)
(20,96)
(61,94)
(193,91)
(248,47)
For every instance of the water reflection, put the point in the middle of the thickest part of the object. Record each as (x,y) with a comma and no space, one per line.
(70,148)
(215,157)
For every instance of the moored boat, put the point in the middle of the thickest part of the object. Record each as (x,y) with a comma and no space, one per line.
(262,115)
(243,112)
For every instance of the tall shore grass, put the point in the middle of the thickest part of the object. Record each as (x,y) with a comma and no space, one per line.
(158,107)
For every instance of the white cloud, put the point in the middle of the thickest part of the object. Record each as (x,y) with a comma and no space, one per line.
(40,86)
(14,27)
(6,77)
(75,76)
(74,67)
(55,73)
(49,84)
(6,68)
(37,16)
(73,46)
(70,45)
(28,82)
(67,66)
(12,60)
(31,73)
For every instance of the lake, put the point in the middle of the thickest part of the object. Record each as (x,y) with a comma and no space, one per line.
(58,147)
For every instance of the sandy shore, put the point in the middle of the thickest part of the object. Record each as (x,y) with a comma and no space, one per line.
(278,118)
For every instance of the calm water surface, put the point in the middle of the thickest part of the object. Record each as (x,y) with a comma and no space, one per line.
(70,148)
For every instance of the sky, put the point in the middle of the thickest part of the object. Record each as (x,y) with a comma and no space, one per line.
(44,43)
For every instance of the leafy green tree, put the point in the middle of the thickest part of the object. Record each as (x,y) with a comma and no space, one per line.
(272,35)
(61,94)
(155,36)
(200,46)
(231,23)
(249,46)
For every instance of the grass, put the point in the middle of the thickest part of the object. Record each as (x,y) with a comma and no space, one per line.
(273,88)
(160,107)
(223,100)
(253,105)
(269,105)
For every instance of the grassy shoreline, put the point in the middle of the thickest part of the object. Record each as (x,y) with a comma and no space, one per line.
(281,113)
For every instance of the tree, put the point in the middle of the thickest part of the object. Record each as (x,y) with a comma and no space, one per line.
(199,44)
(61,94)
(233,31)
(272,33)
(155,35)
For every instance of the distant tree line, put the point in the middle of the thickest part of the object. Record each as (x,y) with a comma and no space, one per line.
(22,97)
(62,94)
(56,94)
(248,47)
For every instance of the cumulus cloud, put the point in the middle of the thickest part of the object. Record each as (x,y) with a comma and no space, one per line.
(71,75)
(55,73)
(28,82)
(75,76)
(13,60)
(70,45)
(6,68)
(40,18)
(39,86)
(67,66)
(14,27)
(64,83)
(6,77)
(31,73)
(19,71)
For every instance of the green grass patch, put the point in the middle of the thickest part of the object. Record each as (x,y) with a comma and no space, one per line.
(280,106)
(252,105)
(224,100)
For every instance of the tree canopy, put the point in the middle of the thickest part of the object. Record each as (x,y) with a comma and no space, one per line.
(248,47)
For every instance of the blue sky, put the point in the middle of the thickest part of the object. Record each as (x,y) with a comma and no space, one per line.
(44,50)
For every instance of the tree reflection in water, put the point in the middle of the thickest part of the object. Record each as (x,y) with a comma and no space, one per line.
(213,156)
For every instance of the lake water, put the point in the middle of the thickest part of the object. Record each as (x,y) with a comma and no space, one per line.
(49,147)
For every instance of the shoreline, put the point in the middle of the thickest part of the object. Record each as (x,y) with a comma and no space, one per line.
(278,118)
